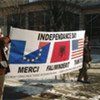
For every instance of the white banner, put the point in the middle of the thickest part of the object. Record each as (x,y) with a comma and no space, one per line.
(38,54)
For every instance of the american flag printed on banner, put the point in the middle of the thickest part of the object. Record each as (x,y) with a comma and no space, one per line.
(77,48)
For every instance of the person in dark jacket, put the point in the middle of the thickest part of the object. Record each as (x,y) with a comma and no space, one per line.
(86,63)
(4,66)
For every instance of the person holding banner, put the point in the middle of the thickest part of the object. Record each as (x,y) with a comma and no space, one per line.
(4,66)
(86,63)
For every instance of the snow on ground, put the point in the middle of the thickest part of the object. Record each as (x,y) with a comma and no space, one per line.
(56,89)
(51,89)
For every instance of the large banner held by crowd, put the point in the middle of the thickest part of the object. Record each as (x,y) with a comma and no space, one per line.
(39,54)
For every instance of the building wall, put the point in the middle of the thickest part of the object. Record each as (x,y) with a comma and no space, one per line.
(92,24)
(37,16)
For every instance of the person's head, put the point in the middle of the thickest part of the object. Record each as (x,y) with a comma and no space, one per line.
(6,39)
(86,40)
(1,35)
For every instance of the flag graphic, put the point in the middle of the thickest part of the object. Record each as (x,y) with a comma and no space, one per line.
(77,48)
(61,51)
(35,57)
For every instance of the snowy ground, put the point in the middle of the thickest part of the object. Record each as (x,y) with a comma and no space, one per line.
(59,89)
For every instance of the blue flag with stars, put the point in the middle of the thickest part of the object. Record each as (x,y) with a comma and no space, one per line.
(17,56)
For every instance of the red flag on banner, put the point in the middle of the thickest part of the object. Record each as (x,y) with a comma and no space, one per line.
(61,51)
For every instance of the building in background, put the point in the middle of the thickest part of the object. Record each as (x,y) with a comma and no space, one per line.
(52,15)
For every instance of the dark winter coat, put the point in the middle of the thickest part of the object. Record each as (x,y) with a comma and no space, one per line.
(3,56)
(87,56)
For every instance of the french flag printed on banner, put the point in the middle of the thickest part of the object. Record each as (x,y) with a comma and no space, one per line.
(29,50)
(60,52)
(36,57)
